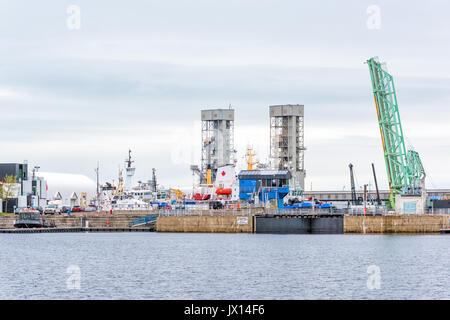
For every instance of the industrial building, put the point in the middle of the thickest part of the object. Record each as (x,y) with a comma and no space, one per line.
(264,185)
(217,141)
(28,191)
(68,189)
(287,142)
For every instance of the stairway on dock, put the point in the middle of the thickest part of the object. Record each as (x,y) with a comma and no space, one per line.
(7,221)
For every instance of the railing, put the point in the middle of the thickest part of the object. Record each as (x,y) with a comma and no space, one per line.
(304,211)
(211,212)
(439,211)
(250,212)
(377,211)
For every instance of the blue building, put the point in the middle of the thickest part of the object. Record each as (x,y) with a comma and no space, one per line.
(265,185)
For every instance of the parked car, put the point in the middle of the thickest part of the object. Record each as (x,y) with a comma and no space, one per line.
(38,208)
(90,208)
(216,205)
(52,209)
(77,209)
(65,209)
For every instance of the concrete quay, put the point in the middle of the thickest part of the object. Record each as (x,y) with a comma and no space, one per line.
(254,221)
(206,223)
(306,224)
(71,230)
(88,220)
(397,224)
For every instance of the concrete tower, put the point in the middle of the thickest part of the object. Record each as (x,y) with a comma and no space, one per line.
(217,140)
(287,141)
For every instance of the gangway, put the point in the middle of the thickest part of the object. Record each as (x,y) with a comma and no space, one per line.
(144,220)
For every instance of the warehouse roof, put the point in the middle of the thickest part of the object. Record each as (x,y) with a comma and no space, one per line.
(264,174)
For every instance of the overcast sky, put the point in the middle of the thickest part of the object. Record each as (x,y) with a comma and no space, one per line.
(137,73)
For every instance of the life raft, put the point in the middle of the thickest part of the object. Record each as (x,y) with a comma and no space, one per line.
(223,191)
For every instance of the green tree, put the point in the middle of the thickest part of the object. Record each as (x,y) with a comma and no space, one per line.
(8,189)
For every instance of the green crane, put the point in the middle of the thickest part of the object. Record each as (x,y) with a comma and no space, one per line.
(404,168)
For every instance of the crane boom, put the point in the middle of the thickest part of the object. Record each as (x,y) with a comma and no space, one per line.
(352,183)
(404,167)
(417,172)
(390,127)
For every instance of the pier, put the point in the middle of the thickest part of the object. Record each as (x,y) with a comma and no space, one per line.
(240,222)
(72,230)
(254,220)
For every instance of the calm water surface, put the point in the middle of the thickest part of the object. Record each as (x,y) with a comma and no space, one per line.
(223,266)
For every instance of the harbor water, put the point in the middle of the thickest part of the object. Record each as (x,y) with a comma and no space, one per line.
(223,266)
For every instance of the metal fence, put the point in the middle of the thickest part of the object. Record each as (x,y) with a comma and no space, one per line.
(250,212)
(371,211)
(357,211)
(211,212)
(302,211)
(439,211)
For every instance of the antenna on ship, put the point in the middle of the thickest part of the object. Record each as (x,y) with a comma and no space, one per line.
(129,161)
(154,183)
(129,172)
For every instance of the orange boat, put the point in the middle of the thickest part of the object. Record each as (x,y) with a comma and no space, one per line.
(223,191)
(201,197)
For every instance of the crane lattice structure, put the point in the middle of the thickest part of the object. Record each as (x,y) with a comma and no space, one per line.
(352,184)
(404,168)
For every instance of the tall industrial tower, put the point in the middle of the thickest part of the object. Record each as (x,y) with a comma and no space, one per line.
(217,140)
(287,148)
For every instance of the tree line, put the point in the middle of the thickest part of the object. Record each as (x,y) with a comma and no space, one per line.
(7,190)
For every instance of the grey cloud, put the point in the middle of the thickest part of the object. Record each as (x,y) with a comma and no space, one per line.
(134,66)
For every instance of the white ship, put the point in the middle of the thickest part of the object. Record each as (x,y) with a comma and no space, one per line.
(125,196)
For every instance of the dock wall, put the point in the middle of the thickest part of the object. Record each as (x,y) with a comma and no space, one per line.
(425,223)
(388,224)
(76,221)
(212,224)
(7,221)
(300,224)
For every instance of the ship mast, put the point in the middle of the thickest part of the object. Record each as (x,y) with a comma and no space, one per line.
(129,172)
(250,162)
(128,161)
